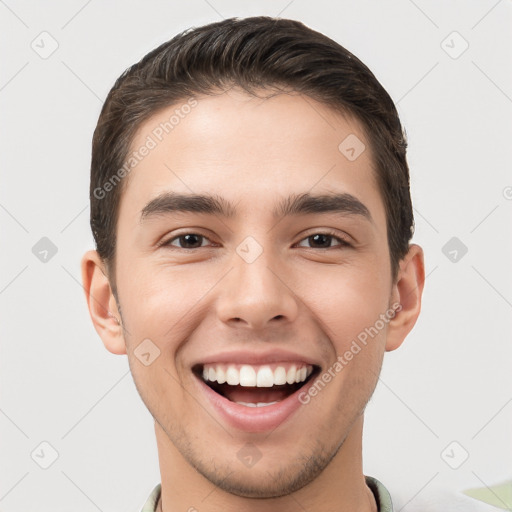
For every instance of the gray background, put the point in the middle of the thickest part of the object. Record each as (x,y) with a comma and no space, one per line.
(449,382)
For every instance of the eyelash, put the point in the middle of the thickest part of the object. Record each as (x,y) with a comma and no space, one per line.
(342,242)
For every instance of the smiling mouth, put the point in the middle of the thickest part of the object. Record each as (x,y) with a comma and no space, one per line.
(256,385)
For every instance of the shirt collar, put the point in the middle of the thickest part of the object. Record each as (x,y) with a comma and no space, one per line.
(382,496)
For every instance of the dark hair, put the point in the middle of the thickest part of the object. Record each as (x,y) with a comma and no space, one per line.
(256,54)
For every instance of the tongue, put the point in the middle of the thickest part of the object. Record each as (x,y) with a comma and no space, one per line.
(255,395)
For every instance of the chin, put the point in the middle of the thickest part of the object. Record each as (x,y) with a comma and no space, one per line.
(264,480)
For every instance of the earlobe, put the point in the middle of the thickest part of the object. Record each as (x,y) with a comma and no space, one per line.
(101,303)
(407,291)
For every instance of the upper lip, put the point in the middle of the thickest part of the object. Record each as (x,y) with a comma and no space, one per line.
(256,357)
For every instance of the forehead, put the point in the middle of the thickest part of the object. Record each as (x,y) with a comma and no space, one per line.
(247,148)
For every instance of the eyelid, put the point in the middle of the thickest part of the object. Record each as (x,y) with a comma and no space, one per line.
(343,240)
(166,242)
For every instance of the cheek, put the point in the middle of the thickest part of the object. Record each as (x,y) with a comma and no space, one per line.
(159,313)
(346,302)
(163,305)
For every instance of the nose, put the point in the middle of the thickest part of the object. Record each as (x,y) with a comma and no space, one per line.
(257,294)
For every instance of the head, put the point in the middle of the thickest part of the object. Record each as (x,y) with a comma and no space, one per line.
(282,140)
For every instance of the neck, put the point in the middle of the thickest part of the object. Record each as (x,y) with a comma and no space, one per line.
(340,486)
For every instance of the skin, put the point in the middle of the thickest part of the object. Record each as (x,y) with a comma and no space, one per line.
(196,302)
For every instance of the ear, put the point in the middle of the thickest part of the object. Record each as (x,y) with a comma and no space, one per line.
(102,303)
(407,291)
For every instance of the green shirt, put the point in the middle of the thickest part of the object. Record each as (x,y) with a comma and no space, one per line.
(381,494)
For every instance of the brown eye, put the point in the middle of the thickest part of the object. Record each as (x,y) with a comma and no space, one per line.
(324,240)
(187,241)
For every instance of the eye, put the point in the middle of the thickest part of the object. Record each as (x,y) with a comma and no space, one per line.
(195,241)
(323,240)
(187,241)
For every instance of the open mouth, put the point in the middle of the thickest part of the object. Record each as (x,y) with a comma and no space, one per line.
(256,385)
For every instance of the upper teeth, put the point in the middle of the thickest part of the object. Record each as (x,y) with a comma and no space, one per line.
(259,376)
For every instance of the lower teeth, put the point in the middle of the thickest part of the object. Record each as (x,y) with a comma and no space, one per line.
(259,404)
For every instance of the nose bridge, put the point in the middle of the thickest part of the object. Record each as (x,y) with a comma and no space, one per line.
(255,293)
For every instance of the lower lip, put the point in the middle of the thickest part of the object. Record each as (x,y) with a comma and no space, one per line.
(254,419)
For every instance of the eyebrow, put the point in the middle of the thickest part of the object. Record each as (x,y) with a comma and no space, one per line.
(297,204)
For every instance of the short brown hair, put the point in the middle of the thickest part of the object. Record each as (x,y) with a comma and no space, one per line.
(254,53)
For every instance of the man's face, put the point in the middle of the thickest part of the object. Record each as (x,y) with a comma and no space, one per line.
(255,294)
